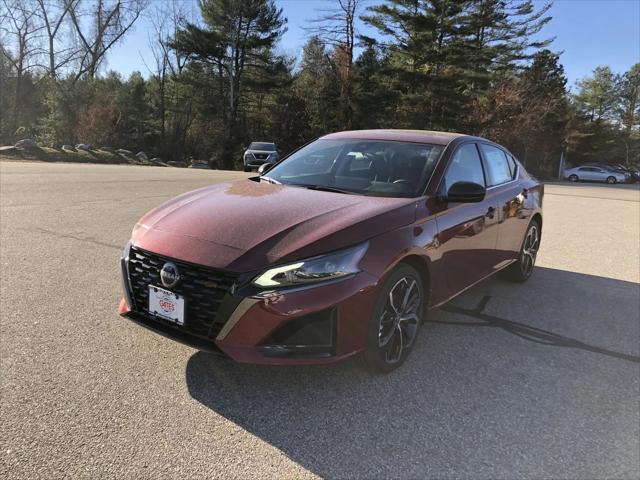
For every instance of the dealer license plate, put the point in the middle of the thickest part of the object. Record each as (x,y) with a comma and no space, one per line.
(166,304)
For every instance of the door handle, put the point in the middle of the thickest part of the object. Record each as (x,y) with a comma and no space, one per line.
(491,212)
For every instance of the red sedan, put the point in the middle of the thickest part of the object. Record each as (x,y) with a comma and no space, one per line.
(338,249)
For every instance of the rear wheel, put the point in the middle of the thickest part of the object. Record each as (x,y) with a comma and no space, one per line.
(396,320)
(521,270)
(573,178)
(611,180)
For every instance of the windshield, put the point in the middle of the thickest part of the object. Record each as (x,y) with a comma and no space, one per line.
(266,147)
(367,167)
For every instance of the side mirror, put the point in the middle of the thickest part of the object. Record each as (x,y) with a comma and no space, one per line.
(264,168)
(466,192)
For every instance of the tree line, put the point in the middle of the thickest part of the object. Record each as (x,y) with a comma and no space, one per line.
(218,79)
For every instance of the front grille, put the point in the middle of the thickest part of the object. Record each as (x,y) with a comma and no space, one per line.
(261,156)
(202,288)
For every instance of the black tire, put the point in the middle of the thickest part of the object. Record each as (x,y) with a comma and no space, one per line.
(521,270)
(247,169)
(611,179)
(573,178)
(393,328)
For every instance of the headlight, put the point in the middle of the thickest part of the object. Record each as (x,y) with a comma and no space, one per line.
(316,269)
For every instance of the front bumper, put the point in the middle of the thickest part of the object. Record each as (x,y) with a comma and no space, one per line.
(312,325)
(255,162)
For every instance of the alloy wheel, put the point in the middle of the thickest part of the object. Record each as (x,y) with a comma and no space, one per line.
(399,319)
(530,250)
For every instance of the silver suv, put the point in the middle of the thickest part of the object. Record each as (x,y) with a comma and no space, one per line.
(259,153)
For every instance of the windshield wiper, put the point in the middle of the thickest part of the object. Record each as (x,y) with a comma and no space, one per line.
(322,188)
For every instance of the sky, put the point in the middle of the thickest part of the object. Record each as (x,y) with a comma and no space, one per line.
(589,33)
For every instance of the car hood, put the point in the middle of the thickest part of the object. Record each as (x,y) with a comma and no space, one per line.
(245,226)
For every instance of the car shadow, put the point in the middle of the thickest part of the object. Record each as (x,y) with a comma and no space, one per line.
(527,392)
(526,332)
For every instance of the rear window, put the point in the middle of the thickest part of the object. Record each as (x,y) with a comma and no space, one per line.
(267,147)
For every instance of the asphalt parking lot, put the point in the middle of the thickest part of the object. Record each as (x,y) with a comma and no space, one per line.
(540,380)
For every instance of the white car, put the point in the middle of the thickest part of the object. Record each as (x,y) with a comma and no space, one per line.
(593,174)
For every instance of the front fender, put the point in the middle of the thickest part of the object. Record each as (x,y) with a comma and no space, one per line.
(413,243)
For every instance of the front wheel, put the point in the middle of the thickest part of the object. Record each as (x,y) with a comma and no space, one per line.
(396,320)
(611,180)
(247,169)
(573,178)
(521,270)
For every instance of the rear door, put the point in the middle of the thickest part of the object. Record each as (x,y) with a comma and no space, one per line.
(467,231)
(509,193)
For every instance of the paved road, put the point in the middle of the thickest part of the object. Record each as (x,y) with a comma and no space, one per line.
(508,381)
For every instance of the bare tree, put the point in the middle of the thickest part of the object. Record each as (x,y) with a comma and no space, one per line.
(336,27)
(53,14)
(168,18)
(4,87)
(21,28)
(107,22)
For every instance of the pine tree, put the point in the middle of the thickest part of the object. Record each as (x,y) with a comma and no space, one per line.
(422,65)
(628,110)
(239,35)
(318,84)
(373,99)
(446,53)
(597,95)
(499,36)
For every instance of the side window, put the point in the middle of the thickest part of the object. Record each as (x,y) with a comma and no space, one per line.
(465,166)
(497,165)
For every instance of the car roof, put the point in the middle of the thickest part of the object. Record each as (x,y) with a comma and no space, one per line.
(601,165)
(415,136)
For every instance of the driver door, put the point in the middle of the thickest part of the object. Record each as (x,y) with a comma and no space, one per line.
(468,232)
